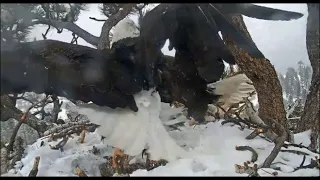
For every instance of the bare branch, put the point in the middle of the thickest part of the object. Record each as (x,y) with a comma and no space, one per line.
(254,156)
(279,141)
(58,129)
(34,170)
(45,34)
(71,27)
(56,108)
(18,152)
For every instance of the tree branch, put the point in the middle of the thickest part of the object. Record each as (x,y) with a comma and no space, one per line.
(91,39)
(8,110)
(104,42)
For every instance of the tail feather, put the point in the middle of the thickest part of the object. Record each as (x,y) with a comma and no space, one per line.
(232,90)
(260,12)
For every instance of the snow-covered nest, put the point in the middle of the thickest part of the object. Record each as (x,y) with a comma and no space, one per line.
(211,147)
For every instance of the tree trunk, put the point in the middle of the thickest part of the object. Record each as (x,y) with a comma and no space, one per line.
(263,75)
(310,117)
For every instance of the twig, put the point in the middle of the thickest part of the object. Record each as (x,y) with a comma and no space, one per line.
(80,172)
(34,170)
(279,141)
(254,156)
(265,138)
(303,160)
(235,121)
(93,18)
(273,174)
(60,144)
(74,38)
(45,35)
(295,152)
(299,146)
(66,132)
(82,136)
(18,152)
(58,129)
(56,108)
(315,163)
(255,133)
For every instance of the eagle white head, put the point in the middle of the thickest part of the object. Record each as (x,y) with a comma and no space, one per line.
(124,29)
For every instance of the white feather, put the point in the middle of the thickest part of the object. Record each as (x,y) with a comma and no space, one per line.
(233,89)
(134,131)
(124,29)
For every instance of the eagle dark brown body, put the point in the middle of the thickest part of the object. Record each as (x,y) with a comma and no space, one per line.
(192,30)
(111,77)
(73,71)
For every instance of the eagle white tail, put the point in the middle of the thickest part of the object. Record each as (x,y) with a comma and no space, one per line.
(124,29)
(134,131)
(233,89)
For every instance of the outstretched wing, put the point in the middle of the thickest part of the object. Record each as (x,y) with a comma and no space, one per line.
(259,12)
(73,71)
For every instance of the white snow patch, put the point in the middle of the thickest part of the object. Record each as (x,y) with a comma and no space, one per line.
(211,150)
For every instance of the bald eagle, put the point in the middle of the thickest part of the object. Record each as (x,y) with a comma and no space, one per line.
(192,30)
(121,82)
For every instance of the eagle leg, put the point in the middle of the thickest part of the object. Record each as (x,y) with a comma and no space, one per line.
(118,160)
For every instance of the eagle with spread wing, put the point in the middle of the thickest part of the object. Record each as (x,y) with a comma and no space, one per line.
(123,83)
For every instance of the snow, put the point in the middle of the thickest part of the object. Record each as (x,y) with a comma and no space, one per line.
(211,152)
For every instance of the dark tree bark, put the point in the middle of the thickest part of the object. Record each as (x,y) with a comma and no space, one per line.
(310,117)
(264,77)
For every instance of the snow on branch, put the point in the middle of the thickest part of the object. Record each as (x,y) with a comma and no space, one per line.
(291,109)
